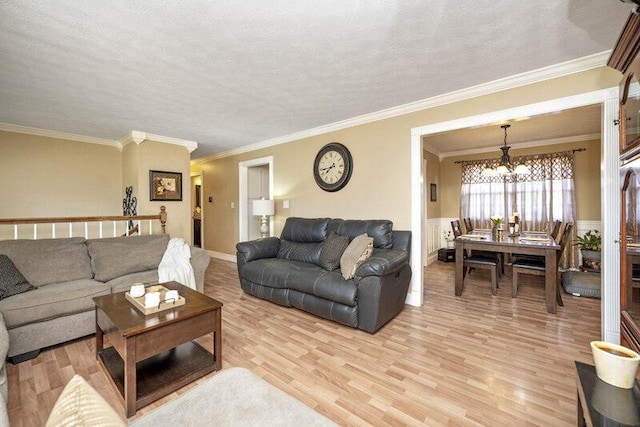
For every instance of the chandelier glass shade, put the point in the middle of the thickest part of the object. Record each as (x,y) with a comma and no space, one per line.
(505,167)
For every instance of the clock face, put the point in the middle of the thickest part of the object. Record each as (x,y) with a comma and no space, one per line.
(332,167)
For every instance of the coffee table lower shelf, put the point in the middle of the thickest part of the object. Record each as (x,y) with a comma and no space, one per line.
(161,374)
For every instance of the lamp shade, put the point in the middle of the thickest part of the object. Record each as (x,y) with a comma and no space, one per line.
(263,207)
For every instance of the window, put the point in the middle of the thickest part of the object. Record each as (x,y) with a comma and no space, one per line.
(545,195)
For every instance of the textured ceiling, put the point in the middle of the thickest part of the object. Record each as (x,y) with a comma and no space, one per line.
(232,73)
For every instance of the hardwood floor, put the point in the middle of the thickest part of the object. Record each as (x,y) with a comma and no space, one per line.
(473,360)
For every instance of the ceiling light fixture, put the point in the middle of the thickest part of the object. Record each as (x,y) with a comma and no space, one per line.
(506,167)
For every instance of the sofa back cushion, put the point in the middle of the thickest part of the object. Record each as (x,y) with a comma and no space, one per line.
(305,230)
(116,256)
(48,261)
(302,238)
(303,252)
(380,229)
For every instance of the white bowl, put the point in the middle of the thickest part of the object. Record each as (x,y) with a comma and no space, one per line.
(615,364)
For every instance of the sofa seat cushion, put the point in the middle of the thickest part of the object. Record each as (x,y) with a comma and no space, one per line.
(51,301)
(48,261)
(304,277)
(117,256)
(123,283)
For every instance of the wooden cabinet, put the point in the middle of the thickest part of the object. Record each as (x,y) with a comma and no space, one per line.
(626,58)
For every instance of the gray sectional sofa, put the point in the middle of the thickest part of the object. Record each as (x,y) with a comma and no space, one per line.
(290,271)
(67,273)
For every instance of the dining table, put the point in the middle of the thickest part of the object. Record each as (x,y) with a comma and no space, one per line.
(525,243)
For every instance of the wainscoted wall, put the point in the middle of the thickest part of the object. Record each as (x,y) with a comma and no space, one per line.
(433,237)
(437,227)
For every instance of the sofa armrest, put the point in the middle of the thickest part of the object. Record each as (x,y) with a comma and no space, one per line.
(258,249)
(199,261)
(402,240)
(383,262)
(380,298)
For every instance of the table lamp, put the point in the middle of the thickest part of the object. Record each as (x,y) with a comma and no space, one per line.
(263,208)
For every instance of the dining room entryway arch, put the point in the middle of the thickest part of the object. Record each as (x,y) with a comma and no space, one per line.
(608,98)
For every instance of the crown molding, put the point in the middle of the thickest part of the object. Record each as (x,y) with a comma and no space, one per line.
(133,136)
(546,73)
(529,144)
(59,135)
(138,137)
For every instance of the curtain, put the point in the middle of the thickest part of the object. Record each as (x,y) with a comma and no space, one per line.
(545,195)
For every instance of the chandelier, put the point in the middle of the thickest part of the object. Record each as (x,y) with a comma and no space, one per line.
(505,167)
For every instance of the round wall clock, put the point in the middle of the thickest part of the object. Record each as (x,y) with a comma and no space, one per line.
(332,167)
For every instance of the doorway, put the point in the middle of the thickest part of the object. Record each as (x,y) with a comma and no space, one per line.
(609,179)
(197,227)
(256,181)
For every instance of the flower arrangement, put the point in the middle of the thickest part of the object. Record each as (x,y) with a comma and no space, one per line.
(448,237)
(496,220)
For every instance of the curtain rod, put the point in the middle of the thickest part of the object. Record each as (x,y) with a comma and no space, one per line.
(526,155)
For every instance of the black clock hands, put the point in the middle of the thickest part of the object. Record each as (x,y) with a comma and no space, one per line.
(324,171)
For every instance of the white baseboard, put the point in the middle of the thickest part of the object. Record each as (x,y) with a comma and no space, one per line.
(222,256)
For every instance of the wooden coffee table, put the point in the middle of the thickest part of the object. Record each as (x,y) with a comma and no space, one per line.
(151,356)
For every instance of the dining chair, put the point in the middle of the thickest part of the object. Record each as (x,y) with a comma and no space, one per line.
(537,267)
(498,256)
(478,259)
(481,262)
(455,227)
(555,231)
(467,225)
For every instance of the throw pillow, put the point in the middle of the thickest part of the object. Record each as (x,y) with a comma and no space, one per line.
(80,404)
(12,282)
(360,248)
(332,250)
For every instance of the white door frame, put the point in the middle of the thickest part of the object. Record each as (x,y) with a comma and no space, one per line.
(610,211)
(243,206)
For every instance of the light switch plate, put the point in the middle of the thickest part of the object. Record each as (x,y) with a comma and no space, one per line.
(285,204)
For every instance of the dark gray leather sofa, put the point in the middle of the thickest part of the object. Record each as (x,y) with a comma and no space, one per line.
(286,271)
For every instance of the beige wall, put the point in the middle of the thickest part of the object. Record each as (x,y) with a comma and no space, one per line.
(47,177)
(380,160)
(42,177)
(151,155)
(587,177)
(380,186)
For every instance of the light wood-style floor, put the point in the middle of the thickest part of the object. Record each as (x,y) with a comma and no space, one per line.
(474,360)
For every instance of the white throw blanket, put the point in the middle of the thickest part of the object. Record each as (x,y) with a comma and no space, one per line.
(175,265)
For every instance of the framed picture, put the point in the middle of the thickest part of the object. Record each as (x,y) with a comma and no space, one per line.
(433,193)
(166,186)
